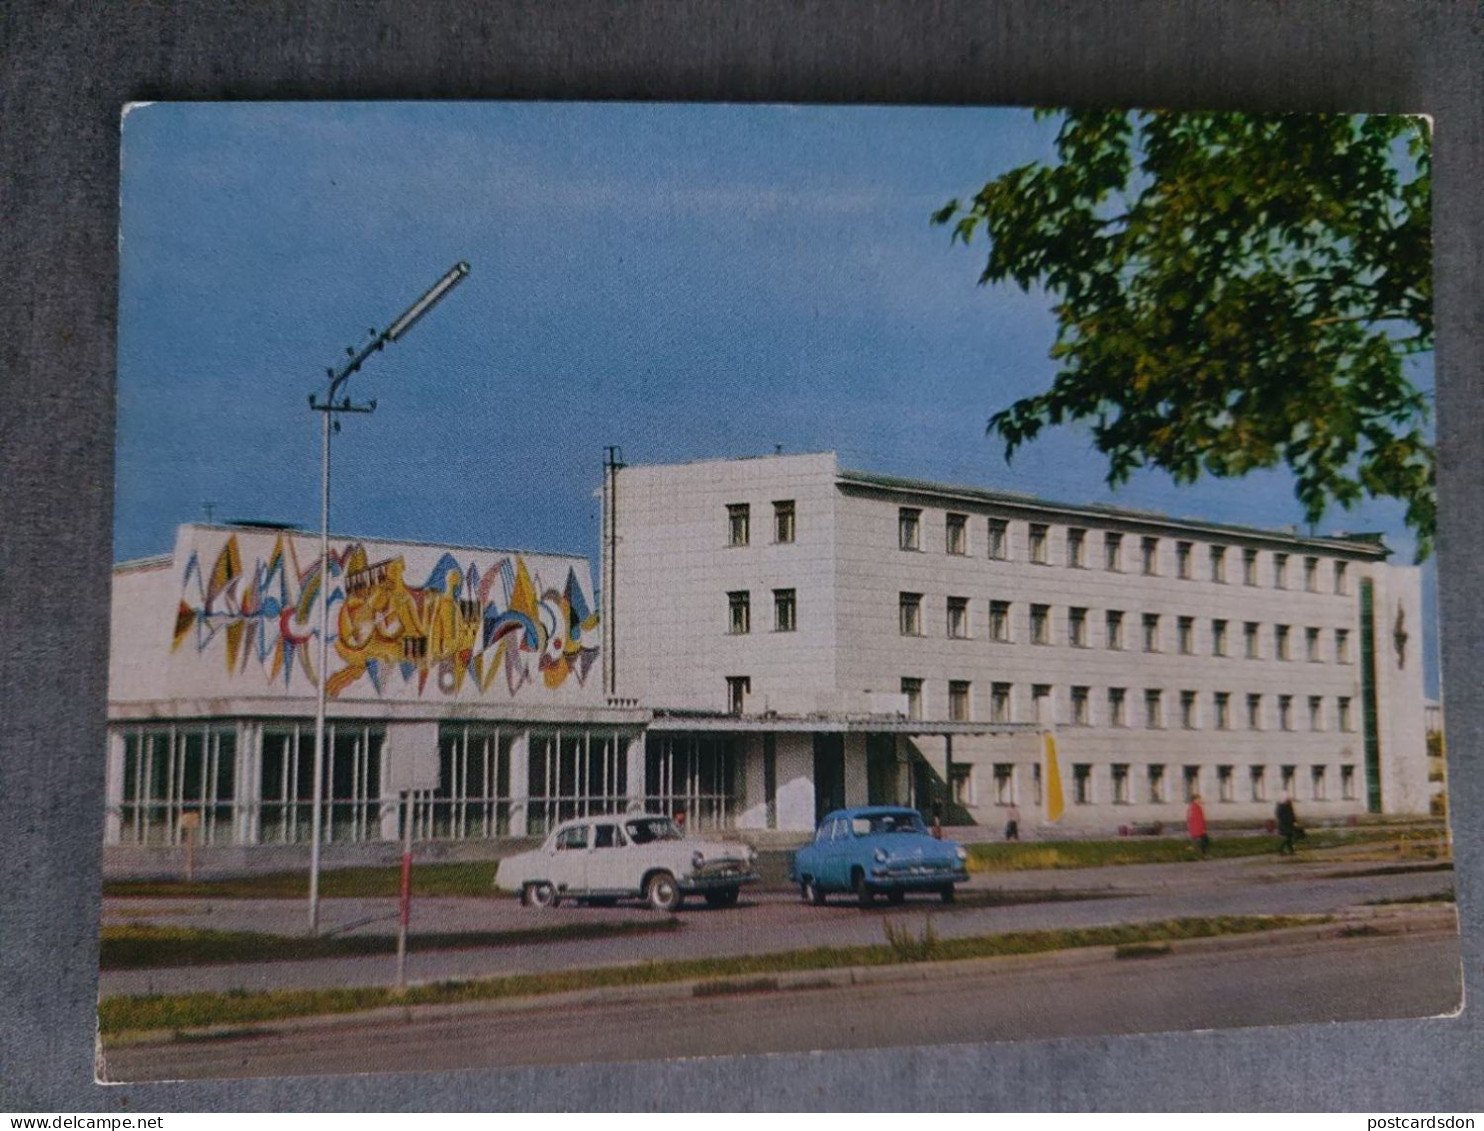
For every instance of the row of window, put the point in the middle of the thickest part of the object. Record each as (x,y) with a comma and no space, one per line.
(739,522)
(959,626)
(1078,710)
(785,611)
(1119,785)
(1150,550)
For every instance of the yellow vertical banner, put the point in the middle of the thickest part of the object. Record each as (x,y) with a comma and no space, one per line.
(1054,801)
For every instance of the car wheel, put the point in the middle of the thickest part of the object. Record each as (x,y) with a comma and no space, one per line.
(540,894)
(811,892)
(896,896)
(863,893)
(948,894)
(663,892)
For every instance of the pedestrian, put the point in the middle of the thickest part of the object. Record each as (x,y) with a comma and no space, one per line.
(937,829)
(1012,823)
(1287,825)
(1195,825)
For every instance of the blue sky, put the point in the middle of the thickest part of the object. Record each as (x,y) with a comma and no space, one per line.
(683,281)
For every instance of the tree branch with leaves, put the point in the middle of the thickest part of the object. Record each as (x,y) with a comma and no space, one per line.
(1232,292)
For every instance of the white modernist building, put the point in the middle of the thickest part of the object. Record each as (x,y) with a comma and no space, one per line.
(780,637)
(879,639)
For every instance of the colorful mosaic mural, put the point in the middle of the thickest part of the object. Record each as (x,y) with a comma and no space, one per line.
(461,629)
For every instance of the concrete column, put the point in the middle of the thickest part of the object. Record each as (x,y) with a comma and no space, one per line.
(753,810)
(248,783)
(113,821)
(520,783)
(633,752)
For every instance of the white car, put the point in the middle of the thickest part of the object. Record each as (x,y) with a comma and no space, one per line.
(603,859)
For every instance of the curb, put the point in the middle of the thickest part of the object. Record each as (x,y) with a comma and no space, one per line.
(1381,922)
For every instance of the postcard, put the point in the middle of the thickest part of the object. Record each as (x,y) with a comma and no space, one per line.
(617,582)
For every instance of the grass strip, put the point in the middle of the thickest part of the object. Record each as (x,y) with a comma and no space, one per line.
(154,1012)
(471,878)
(1030,855)
(142,946)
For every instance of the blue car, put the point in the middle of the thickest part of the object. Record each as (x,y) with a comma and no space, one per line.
(877,850)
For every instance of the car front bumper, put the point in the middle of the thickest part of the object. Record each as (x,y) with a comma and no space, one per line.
(721,876)
(914,879)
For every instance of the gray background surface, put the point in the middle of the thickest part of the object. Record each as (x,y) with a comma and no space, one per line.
(65,71)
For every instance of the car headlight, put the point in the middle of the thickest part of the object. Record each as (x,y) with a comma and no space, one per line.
(697,859)
(881,856)
(962,852)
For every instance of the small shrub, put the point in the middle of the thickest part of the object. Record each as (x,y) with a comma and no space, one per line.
(909,947)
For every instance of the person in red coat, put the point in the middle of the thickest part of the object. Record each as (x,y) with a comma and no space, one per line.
(1195,824)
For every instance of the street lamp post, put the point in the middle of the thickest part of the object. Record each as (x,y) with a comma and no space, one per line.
(329,408)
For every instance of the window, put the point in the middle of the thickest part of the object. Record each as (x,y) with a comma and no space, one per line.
(1082,783)
(1218,638)
(1040,624)
(739,687)
(1254,712)
(1342,714)
(1311,575)
(999,620)
(1077,628)
(1041,704)
(999,703)
(1287,775)
(1191,782)
(958,618)
(739,607)
(1222,701)
(1218,564)
(1320,783)
(1249,638)
(1154,713)
(1038,538)
(999,539)
(1342,645)
(1113,552)
(1081,717)
(1117,707)
(909,528)
(1151,632)
(1185,635)
(1115,629)
(1120,783)
(1036,783)
(783,521)
(1149,556)
(572,839)
(1311,645)
(962,784)
(606,836)
(738,524)
(958,700)
(1226,784)
(1342,578)
(1077,549)
(1280,642)
(1316,712)
(785,610)
(909,606)
(1249,567)
(1187,710)
(1157,784)
(1258,775)
(1347,783)
(1280,571)
(1182,560)
(1004,783)
(912,689)
(957,533)
(1285,712)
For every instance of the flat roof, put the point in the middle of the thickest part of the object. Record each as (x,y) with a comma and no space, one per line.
(721,723)
(1366,545)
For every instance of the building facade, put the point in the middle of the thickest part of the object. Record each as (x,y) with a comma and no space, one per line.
(1166,657)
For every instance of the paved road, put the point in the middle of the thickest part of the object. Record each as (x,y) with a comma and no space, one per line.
(764,921)
(1070,994)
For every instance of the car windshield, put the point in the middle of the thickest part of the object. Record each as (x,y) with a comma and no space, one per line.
(648,829)
(888,823)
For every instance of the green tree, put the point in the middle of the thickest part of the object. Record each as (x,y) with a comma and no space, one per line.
(1232,292)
